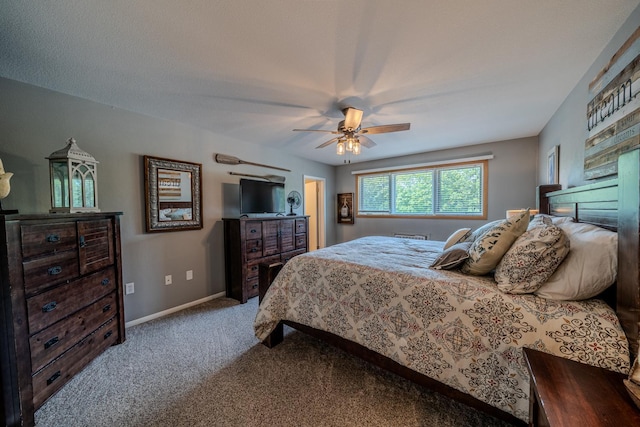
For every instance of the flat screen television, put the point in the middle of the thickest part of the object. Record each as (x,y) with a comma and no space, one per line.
(261,197)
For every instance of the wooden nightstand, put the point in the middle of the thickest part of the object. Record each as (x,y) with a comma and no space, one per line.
(568,393)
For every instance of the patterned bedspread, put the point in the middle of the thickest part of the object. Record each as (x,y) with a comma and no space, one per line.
(458,329)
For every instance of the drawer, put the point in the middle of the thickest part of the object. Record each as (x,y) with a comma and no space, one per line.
(41,273)
(301,226)
(96,245)
(59,337)
(40,239)
(253,266)
(53,376)
(251,286)
(285,257)
(253,249)
(49,307)
(301,241)
(253,230)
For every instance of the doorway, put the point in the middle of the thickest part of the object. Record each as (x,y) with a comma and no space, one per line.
(314,206)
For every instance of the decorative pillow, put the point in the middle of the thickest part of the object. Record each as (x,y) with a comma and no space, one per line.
(487,250)
(452,257)
(481,230)
(457,237)
(590,267)
(557,220)
(532,258)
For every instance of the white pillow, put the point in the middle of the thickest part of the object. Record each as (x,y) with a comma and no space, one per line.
(457,237)
(487,250)
(590,266)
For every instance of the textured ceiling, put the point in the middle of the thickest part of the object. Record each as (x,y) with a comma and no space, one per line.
(462,72)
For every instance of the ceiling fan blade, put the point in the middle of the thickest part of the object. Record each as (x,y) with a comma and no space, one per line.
(366,141)
(329,142)
(316,130)
(352,118)
(386,128)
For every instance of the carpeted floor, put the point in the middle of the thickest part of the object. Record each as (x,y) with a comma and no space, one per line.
(204,367)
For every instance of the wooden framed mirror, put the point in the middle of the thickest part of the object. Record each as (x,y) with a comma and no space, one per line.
(173,194)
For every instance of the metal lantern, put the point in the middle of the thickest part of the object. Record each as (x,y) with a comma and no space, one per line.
(74,180)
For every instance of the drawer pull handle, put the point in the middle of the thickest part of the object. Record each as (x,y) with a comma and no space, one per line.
(254,249)
(108,334)
(105,281)
(254,286)
(49,307)
(82,242)
(53,378)
(51,342)
(254,268)
(53,238)
(106,308)
(52,271)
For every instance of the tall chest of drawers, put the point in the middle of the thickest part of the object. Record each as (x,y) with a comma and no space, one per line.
(62,303)
(249,242)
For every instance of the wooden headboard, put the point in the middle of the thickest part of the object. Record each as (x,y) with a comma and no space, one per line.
(615,205)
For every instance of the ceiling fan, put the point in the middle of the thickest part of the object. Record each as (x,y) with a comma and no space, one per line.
(351,135)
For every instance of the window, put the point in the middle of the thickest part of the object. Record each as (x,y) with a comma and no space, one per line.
(452,190)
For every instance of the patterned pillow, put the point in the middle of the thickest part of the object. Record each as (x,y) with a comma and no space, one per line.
(481,230)
(487,250)
(532,258)
(457,237)
(452,257)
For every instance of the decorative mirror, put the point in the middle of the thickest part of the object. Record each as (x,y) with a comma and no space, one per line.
(173,194)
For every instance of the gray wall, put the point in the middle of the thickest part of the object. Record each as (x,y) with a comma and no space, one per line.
(512,181)
(568,126)
(36,122)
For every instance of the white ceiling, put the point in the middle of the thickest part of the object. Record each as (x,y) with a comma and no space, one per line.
(461,71)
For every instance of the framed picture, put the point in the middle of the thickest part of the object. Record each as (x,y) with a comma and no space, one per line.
(173,194)
(345,208)
(553,165)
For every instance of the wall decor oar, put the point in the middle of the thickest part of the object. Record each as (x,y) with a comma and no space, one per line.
(270,178)
(231,160)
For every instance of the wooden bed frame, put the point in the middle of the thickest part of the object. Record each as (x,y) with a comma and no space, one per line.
(612,204)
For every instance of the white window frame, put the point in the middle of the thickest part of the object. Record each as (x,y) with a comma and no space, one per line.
(434,167)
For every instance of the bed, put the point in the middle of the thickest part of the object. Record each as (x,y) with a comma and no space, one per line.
(376,298)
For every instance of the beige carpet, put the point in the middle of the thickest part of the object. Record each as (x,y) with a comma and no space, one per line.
(204,367)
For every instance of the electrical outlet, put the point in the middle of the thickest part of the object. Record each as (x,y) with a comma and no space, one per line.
(189,274)
(168,280)
(129,288)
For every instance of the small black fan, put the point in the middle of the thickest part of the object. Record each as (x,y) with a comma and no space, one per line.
(295,200)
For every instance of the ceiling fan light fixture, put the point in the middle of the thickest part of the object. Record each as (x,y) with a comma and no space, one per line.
(350,130)
(352,118)
(350,141)
(356,147)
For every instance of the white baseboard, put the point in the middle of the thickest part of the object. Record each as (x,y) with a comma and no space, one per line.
(172,310)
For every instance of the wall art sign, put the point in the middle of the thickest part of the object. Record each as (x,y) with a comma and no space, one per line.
(613,112)
(553,164)
(173,194)
(345,208)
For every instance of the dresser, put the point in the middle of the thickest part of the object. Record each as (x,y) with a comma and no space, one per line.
(62,303)
(249,242)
